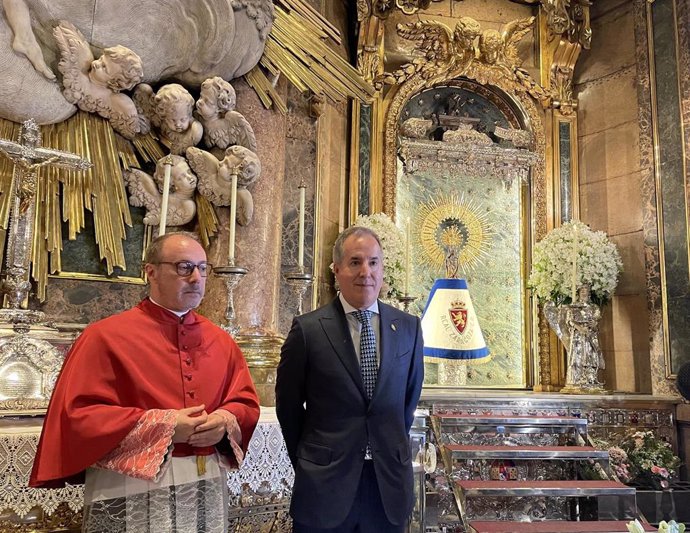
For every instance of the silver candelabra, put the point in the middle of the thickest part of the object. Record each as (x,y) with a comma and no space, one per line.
(299,281)
(232,275)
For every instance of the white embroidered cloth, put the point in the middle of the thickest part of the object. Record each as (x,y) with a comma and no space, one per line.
(266,471)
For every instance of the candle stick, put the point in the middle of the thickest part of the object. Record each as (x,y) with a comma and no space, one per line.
(233,216)
(407,257)
(576,243)
(166,195)
(300,237)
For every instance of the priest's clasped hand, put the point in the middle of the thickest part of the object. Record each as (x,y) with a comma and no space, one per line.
(209,432)
(188,420)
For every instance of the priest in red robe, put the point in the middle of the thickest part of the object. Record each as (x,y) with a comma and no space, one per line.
(151,407)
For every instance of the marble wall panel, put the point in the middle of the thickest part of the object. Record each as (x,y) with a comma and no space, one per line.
(84,301)
(629,324)
(365,128)
(257,245)
(612,205)
(610,153)
(625,343)
(300,167)
(672,106)
(620,374)
(631,249)
(300,123)
(659,383)
(607,102)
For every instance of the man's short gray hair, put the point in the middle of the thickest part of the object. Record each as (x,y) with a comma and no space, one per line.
(153,252)
(356,231)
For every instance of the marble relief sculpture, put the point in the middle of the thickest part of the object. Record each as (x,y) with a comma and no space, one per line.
(24,41)
(147,191)
(223,126)
(175,39)
(95,85)
(215,177)
(170,110)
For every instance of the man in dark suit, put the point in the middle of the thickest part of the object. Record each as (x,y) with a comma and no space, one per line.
(348,382)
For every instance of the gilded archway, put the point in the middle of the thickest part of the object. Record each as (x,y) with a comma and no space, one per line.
(489,59)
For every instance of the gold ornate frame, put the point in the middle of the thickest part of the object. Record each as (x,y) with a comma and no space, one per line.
(442,54)
(530,115)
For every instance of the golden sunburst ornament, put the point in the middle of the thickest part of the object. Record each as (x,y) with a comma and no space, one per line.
(449,222)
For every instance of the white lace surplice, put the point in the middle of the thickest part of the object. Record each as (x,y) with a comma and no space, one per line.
(181,501)
(140,488)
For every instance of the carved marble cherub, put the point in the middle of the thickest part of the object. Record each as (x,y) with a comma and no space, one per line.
(223,38)
(215,177)
(95,85)
(171,111)
(223,126)
(147,191)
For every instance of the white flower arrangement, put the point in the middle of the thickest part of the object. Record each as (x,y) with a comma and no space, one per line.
(597,259)
(392,244)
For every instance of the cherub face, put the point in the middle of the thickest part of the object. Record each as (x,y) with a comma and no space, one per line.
(231,164)
(182,177)
(178,117)
(104,69)
(206,106)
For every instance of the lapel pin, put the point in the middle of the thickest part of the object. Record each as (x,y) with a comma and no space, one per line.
(393,327)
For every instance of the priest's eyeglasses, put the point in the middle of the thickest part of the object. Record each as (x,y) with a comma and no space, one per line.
(185,268)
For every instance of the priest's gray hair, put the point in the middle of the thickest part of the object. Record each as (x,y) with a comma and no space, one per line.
(153,252)
(349,232)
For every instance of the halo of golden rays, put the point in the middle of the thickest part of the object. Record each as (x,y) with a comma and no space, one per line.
(451,222)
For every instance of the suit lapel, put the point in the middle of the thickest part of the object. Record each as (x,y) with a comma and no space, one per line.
(335,327)
(390,336)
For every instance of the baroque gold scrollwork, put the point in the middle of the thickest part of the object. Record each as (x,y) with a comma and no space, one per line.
(383,8)
(369,63)
(569,18)
(484,55)
(562,86)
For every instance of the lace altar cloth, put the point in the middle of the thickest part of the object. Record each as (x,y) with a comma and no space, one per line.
(265,478)
(266,475)
(18,441)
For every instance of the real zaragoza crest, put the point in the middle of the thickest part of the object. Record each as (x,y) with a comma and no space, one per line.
(458,315)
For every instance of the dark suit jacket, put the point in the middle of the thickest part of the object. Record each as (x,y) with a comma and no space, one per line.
(327,420)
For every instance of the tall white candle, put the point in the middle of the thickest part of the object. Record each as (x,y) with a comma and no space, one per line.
(166,196)
(576,244)
(407,257)
(233,216)
(300,237)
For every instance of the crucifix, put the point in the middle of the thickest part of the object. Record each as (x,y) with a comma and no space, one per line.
(28,156)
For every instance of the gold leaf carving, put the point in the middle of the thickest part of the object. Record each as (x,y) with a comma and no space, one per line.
(484,55)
